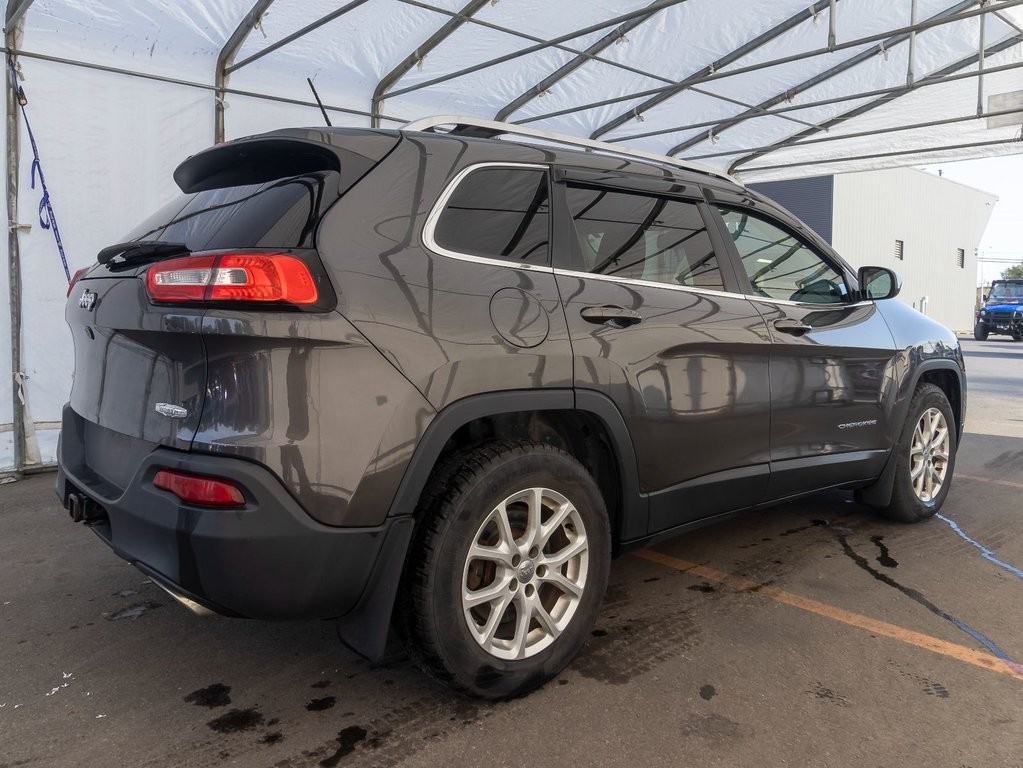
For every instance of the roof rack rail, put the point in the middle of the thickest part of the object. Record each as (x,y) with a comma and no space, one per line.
(480,128)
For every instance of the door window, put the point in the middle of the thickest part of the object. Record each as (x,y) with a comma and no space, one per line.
(498,213)
(642,237)
(780,266)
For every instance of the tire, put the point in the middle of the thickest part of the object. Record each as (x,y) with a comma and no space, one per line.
(463,506)
(918,498)
(980,332)
(1017,335)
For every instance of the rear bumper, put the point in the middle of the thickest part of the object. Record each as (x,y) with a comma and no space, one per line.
(266,560)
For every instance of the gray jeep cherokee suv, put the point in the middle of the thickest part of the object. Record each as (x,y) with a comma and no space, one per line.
(438,379)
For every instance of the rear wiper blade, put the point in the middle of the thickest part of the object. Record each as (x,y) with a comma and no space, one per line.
(137,249)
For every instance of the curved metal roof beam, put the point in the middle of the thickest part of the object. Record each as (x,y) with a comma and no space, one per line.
(553,43)
(438,37)
(956,66)
(820,77)
(226,57)
(296,35)
(572,65)
(15,10)
(929,24)
(774,32)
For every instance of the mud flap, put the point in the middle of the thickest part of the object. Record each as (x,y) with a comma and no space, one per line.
(880,493)
(364,629)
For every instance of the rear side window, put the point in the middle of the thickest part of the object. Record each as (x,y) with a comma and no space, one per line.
(642,237)
(277,214)
(498,213)
(779,266)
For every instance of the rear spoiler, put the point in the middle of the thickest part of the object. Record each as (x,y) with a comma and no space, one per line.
(289,152)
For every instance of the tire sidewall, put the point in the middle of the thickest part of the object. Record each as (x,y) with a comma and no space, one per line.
(473,668)
(980,332)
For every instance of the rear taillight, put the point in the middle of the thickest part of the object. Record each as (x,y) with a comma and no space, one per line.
(74,279)
(259,277)
(201,490)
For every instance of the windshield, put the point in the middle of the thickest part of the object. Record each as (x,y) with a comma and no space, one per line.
(1006,291)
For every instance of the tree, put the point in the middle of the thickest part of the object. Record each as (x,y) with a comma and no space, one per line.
(1016,270)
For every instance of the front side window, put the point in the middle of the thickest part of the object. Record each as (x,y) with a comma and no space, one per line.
(642,237)
(779,266)
(498,213)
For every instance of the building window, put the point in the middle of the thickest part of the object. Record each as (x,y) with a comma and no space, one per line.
(960,258)
(898,249)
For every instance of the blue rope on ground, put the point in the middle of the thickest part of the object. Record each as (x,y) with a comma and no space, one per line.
(47,219)
(986,553)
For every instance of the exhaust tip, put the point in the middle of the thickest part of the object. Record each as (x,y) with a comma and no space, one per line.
(194,607)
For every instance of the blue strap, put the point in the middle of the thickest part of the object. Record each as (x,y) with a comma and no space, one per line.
(47,220)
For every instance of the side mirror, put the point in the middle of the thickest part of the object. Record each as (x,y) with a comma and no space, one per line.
(983,297)
(877,283)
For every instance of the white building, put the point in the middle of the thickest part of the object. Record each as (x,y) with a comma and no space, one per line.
(925,227)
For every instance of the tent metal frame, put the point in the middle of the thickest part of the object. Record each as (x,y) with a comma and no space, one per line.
(718,75)
(617,29)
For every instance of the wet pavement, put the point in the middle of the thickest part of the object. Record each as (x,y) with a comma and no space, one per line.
(812,634)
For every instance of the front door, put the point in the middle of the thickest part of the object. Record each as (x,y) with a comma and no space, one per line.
(832,357)
(657,323)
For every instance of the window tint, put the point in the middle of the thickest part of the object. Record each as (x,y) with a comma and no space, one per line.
(278,214)
(780,266)
(498,213)
(642,237)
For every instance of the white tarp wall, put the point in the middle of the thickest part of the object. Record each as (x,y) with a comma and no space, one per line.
(109,141)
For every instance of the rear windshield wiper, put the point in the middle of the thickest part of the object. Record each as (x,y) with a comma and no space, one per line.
(138,249)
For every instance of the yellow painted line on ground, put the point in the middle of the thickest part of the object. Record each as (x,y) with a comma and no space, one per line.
(883,628)
(1007,483)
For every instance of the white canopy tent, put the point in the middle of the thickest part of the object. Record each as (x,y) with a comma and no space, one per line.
(119,92)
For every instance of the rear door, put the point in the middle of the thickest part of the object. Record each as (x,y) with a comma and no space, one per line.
(658,324)
(832,356)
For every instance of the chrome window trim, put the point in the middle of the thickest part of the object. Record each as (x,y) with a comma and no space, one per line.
(806,304)
(429,228)
(649,283)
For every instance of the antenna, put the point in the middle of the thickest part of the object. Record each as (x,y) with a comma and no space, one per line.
(318,102)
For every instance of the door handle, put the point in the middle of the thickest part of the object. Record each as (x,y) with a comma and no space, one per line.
(795,327)
(612,315)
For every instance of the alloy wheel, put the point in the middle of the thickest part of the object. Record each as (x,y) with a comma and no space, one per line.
(928,455)
(524,574)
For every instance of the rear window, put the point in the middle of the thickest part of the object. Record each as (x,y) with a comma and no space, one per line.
(276,214)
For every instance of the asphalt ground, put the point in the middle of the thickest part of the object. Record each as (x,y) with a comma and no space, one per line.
(812,634)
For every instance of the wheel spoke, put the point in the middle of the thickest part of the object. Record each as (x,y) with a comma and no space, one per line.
(497,612)
(557,520)
(533,526)
(555,560)
(474,597)
(523,614)
(915,473)
(500,516)
(545,618)
(493,554)
(562,582)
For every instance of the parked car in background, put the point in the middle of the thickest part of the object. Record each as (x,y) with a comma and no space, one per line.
(442,378)
(1002,312)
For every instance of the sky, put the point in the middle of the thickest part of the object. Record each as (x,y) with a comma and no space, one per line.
(1003,239)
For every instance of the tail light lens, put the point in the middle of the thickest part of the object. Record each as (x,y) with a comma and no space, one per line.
(249,277)
(201,490)
(74,279)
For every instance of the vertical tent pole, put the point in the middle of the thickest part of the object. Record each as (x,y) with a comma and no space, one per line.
(980,68)
(225,59)
(13,27)
(910,75)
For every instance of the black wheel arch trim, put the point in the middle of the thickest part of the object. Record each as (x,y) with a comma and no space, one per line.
(365,628)
(461,412)
(879,494)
